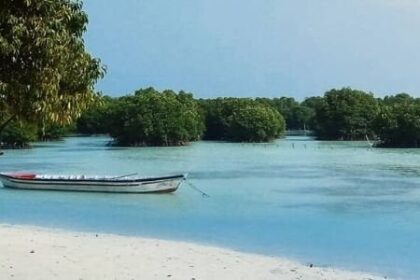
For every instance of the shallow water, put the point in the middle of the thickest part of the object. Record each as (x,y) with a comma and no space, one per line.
(327,203)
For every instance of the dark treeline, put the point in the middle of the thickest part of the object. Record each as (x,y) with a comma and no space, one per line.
(296,115)
(341,114)
(397,123)
(347,114)
(153,118)
(20,133)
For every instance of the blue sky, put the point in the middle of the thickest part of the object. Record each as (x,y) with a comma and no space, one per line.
(253,48)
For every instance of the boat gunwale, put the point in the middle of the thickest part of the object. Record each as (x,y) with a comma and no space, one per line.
(169,190)
(91,180)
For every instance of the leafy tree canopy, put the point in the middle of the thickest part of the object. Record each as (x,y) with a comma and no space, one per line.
(241,119)
(95,120)
(45,71)
(345,114)
(152,118)
(257,123)
(398,122)
(18,134)
(53,131)
(296,115)
(397,99)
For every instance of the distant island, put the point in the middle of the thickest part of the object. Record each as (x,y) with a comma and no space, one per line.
(341,114)
(152,118)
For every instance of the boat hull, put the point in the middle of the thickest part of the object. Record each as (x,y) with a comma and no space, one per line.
(146,185)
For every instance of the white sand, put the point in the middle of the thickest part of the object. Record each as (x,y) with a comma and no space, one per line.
(36,253)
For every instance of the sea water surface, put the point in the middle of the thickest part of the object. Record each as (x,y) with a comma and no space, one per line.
(328,203)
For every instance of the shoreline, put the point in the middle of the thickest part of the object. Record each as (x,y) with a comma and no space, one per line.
(29,252)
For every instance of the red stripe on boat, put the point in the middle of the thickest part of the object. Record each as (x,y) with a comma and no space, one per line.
(26,176)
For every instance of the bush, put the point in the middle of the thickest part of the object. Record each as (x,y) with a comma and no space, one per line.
(95,119)
(53,131)
(241,119)
(345,114)
(398,122)
(296,115)
(255,124)
(151,118)
(18,135)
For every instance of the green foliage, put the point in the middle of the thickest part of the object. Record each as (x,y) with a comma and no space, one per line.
(18,135)
(152,118)
(400,98)
(218,113)
(53,131)
(241,119)
(256,123)
(296,115)
(398,122)
(45,71)
(312,104)
(95,120)
(345,114)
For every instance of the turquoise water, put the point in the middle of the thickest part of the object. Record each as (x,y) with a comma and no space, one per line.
(327,203)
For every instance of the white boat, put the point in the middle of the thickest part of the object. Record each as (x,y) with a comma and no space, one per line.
(121,184)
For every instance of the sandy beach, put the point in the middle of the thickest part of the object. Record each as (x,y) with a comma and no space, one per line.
(38,253)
